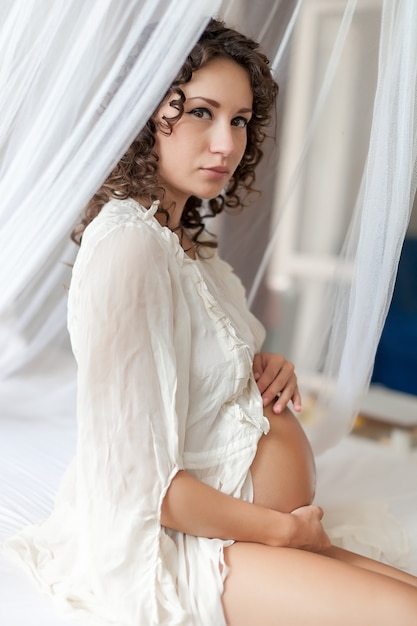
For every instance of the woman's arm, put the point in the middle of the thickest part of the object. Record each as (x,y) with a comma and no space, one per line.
(190,506)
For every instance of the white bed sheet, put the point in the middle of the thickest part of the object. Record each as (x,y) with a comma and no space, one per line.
(35,451)
(33,456)
(361,474)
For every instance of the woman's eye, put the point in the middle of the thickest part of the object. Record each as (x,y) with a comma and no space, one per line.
(202,113)
(240,122)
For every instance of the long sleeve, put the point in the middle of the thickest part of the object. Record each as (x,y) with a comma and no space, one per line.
(132,404)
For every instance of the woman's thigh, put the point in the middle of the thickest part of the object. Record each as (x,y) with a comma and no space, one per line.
(288,587)
(375,566)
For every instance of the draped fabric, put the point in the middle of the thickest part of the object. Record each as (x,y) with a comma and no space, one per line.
(318,250)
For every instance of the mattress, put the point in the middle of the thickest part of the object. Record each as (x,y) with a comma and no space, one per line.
(354,477)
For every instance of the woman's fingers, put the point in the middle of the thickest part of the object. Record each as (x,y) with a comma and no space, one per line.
(267,367)
(276,378)
(275,372)
(296,400)
(289,394)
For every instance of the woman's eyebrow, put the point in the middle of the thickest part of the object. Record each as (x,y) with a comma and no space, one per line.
(216,104)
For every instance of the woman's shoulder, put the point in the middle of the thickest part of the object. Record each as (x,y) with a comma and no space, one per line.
(125,232)
(118,214)
(125,222)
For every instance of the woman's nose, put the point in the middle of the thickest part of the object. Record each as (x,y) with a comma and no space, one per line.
(222,140)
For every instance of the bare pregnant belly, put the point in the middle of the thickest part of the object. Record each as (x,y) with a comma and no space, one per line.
(283,471)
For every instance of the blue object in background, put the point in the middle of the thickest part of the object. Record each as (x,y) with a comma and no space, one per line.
(396,357)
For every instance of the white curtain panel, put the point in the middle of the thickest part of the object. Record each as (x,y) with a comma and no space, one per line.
(318,250)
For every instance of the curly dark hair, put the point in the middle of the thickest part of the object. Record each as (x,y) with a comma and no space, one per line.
(136,174)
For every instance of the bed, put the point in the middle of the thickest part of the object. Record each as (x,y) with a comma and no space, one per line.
(355,476)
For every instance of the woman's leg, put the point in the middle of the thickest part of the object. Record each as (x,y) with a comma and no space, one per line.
(289,587)
(375,566)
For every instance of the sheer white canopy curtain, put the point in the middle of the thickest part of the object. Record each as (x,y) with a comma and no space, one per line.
(318,250)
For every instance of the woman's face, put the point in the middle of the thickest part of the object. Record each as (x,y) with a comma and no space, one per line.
(207,143)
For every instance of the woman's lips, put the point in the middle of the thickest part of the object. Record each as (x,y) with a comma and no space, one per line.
(216,172)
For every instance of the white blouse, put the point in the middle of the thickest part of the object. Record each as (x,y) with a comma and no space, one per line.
(164,346)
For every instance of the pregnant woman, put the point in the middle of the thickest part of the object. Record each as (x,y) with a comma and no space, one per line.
(189,501)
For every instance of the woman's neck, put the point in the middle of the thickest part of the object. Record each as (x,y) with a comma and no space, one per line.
(170,214)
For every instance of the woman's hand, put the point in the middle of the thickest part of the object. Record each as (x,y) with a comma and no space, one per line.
(309,533)
(275,377)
